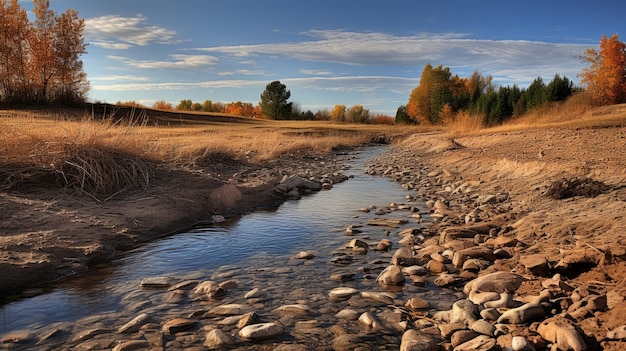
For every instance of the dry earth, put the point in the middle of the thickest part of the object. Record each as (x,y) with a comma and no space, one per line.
(532,165)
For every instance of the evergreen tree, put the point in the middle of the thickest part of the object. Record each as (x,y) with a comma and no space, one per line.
(402,117)
(274,101)
(559,89)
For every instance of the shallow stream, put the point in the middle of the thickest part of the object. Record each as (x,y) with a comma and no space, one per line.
(255,250)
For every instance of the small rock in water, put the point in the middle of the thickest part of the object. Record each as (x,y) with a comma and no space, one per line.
(260,331)
(177,325)
(156,282)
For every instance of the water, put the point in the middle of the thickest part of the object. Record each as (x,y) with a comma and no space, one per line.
(246,248)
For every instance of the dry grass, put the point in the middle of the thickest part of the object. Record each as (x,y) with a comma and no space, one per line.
(103,158)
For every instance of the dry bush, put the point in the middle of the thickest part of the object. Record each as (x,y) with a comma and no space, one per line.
(464,123)
(566,188)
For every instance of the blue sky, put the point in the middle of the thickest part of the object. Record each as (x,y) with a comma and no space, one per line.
(328,52)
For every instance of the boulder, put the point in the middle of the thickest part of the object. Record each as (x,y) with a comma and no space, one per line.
(479,343)
(536,264)
(342,293)
(523,314)
(217,339)
(412,340)
(260,331)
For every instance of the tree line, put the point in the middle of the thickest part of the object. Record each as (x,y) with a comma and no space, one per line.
(440,95)
(40,60)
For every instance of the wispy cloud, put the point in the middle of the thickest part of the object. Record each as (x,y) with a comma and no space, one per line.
(177,61)
(448,49)
(113,78)
(119,32)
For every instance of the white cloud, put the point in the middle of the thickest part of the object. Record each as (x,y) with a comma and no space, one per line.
(315,72)
(447,49)
(128,77)
(119,32)
(178,61)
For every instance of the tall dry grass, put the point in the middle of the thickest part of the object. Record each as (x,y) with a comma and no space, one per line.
(105,157)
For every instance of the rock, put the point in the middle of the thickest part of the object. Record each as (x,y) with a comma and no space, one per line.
(132,345)
(184,285)
(462,336)
(368,320)
(417,303)
(17,337)
(415,270)
(536,264)
(206,287)
(563,333)
(378,297)
(217,339)
(392,275)
(505,301)
(483,327)
(618,333)
(227,310)
(261,331)
(248,319)
(520,343)
(556,284)
(463,311)
(298,182)
(342,277)
(587,306)
(496,282)
(434,266)
(384,245)
(346,342)
(358,245)
(490,314)
(482,297)
(177,325)
(404,257)
(412,340)
(353,229)
(479,343)
(304,255)
(294,310)
(254,293)
(448,329)
(523,314)
(342,293)
(348,314)
(134,325)
(90,333)
(445,279)
(480,252)
(156,282)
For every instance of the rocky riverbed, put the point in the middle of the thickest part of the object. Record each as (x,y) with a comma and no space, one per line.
(519,246)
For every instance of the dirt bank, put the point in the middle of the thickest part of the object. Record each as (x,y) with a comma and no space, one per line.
(558,195)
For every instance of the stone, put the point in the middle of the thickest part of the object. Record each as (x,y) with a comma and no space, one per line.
(342,293)
(217,339)
(490,314)
(90,333)
(462,336)
(618,333)
(294,310)
(536,264)
(417,303)
(445,279)
(348,314)
(368,320)
(261,331)
(358,245)
(134,325)
(523,314)
(495,282)
(206,287)
(178,325)
(156,282)
(132,345)
(392,275)
(304,255)
(480,252)
(435,266)
(254,293)
(298,182)
(479,343)
(404,257)
(520,343)
(412,340)
(227,310)
(463,311)
(184,285)
(482,297)
(505,301)
(563,333)
(248,319)
(483,327)
(381,297)
(415,270)
(384,245)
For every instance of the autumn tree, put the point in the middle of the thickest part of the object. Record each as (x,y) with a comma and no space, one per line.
(338,113)
(71,85)
(429,97)
(275,101)
(14,33)
(606,77)
(163,105)
(402,117)
(358,114)
(184,105)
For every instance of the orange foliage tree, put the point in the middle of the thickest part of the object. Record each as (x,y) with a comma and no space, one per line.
(606,77)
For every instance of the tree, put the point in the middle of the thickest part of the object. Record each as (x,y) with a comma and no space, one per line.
(338,113)
(402,117)
(184,105)
(69,45)
(358,114)
(163,105)
(429,97)
(14,33)
(559,89)
(606,77)
(274,101)
(535,95)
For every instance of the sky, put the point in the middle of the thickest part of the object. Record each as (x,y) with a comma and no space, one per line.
(328,52)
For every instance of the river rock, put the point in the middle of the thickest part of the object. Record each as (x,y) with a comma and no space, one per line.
(358,246)
(248,319)
(342,293)
(404,257)
(412,340)
(294,310)
(384,245)
(217,339)
(448,329)
(304,255)
(479,343)
(134,325)
(505,301)
(523,314)
(254,293)
(563,333)
(132,345)
(479,252)
(177,325)
(227,310)
(483,327)
(392,275)
(462,336)
(348,314)
(381,297)
(481,297)
(417,303)
(536,264)
(298,182)
(260,331)
(367,319)
(520,343)
(618,333)
(156,282)
(490,314)
(496,282)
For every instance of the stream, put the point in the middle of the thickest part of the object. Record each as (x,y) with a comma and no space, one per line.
(255,250)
